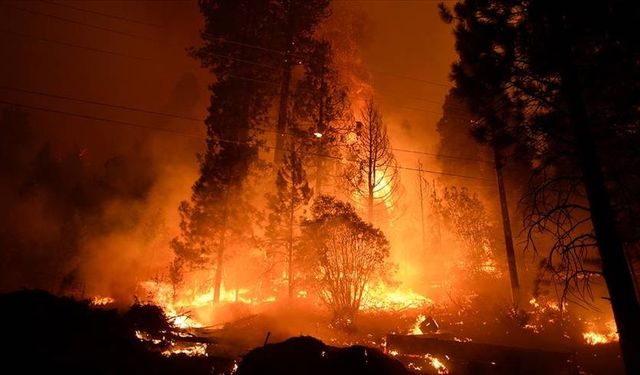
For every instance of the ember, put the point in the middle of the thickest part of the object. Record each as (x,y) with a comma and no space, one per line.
(437,364)
(101,301)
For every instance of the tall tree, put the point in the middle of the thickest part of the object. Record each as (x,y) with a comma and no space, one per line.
(485,50)
(373,176)
(569,74)
(285,206)
(218,211)
(294,38)
(321,106)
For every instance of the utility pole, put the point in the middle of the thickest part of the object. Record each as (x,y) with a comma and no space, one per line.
(506,225)
(420,185)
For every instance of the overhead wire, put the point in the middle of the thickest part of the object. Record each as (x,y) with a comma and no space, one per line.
(113,16)
(196,136)
(220,56)
(193,119)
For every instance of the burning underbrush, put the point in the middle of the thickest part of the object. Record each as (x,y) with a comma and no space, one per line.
(426,337)
(570,336)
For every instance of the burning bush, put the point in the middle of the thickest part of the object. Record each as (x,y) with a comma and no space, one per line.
(346,254)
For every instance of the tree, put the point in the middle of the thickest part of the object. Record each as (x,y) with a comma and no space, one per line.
(285,206)
(373,176)
(219,211)
(321,103)
(294,37)
(347,255)
(463,214)
(567,75)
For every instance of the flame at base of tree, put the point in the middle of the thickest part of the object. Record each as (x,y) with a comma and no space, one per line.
(601,336)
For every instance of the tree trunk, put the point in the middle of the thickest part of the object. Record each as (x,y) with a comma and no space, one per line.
(615,268)
(506,225)
(320,129)
(290,247)
(218,276)
(281,127)
(420,187)
(217,282)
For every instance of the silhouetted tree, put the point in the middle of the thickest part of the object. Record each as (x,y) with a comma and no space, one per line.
(567,75)
(285,210)
(461,212)
(347,255)
(218,212)
(321,106)
(297,21)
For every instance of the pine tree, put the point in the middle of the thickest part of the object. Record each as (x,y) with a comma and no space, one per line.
(219,211)
(285,211)
(566,76)
(321,106)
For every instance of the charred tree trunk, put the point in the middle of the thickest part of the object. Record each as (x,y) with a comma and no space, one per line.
(420,187)
(506,225)
(615,268)
(281,128)
(320,129)
(290,244)
(371,175)
(217,282)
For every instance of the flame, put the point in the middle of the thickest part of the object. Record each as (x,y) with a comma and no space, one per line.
(195,350)
(593,337)
(101,301)
(381,298)
(437,364)
(161,294)
(415,329)
(383,188)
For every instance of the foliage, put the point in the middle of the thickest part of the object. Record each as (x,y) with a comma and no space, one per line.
(346,255)
(463,214)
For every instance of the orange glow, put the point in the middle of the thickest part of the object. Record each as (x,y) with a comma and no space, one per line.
(383,188)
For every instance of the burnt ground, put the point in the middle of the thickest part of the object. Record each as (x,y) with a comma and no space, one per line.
(42,332)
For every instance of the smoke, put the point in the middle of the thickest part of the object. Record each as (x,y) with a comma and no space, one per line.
(84,220)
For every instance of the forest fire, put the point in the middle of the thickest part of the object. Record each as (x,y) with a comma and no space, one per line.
(309,186)
(600,337)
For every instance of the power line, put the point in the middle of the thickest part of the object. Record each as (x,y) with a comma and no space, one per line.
(197,119)
(219,39)
(95,118)
(413,78)
(441,156)
(87,101)
(69,20)
(196,136)
(120,18)
(66,44)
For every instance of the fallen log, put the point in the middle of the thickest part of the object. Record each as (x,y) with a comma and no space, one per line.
(475,357)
